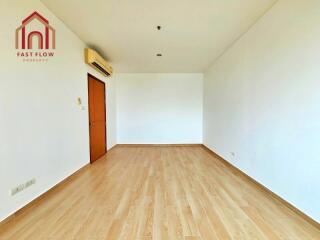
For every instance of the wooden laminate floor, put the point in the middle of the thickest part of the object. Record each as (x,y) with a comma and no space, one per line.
(157,193)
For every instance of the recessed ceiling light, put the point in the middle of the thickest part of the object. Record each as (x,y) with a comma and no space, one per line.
(159,55)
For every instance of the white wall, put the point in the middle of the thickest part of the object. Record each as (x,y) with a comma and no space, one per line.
(262,102)
(159,108)
(44,134)
(111,109)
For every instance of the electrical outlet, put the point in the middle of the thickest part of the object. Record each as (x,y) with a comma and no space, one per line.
(17,189)
(21,187)
(14,191)
(30,182)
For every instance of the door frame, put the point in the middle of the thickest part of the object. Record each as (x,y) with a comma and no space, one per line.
(105,112)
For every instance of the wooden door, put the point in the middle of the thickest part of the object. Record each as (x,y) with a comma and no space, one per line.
(97,118)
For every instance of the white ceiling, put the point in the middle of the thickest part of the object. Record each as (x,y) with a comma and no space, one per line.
(194,32)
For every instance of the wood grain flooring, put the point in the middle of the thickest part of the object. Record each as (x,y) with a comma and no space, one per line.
(160,193)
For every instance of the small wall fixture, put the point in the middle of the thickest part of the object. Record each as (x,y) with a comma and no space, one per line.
(159,55)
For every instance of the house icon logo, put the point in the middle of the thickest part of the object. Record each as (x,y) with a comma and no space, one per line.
(35,32)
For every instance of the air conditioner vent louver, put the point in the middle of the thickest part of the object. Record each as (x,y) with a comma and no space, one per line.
(101,68)
(93,59)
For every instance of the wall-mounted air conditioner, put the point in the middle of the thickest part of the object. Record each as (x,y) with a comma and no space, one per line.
(93,59)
